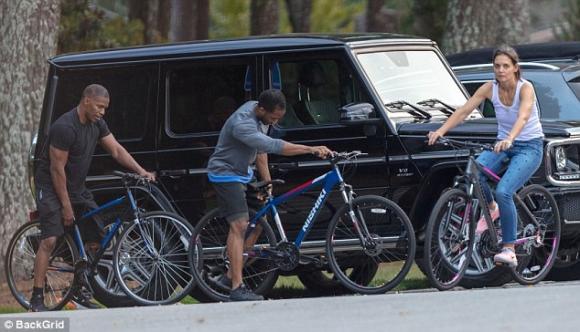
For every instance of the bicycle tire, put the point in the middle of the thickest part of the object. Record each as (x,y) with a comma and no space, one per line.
(389,226)
(536,261)
(159,277)
(445,273)
(211,231)
(19,266)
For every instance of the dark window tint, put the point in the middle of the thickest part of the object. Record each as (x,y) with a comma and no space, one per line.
(487,106)
(203,95)
(315,89)
(575,86)
(130,89)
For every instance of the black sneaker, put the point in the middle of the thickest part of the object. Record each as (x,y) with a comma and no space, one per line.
(242,293)
(37,303)
(85,299)
(223,282)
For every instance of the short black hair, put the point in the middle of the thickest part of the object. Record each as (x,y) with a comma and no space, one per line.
(95,90)
(272,99)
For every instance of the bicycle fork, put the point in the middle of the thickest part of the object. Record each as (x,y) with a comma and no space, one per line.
(356,218)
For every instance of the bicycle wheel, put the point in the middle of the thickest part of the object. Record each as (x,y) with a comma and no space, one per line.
(449,239)
(209,261)
(537,256)
(389,247)
(150,259)
(19,266)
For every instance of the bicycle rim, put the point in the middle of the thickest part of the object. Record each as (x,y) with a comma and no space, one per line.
(448,240)
(387,255)
(20,267)
(537,256)
(150,259)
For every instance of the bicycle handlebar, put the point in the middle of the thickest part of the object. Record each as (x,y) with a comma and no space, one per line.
(131,176)
(339,156)
(468,144)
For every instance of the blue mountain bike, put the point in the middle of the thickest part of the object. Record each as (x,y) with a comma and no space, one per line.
(370,242)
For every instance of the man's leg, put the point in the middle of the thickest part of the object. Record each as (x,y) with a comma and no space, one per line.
(236,249)
(45,248)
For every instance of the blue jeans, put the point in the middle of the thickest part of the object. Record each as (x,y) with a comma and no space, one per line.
(525,158)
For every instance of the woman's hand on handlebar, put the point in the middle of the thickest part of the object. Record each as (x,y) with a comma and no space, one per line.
(321,151)
(503,145)
(434,136)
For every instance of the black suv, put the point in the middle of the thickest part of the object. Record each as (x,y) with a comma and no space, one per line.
(168,103)
(554,71)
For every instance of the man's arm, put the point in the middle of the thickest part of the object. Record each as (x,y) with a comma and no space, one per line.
(262,166)
(291,149)
(58,160)
(118,152)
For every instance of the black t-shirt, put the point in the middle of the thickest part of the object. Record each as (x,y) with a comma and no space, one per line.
(67,133)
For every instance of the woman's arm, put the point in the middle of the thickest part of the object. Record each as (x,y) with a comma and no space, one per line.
(462,112)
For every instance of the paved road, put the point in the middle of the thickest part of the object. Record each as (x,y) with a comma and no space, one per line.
(547,307)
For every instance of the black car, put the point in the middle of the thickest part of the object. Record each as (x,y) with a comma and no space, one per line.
(168,103)
(554,71)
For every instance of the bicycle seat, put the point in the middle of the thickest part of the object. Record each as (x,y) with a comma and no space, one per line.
(263,185)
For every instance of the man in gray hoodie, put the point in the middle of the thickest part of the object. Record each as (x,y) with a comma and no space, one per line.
(243,140)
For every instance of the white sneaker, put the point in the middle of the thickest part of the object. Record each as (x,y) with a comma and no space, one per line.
(507,256)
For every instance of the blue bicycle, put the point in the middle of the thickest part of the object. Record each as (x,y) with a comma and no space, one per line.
(370,242)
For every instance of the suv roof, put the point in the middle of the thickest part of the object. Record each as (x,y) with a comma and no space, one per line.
(553,52)
(261,43)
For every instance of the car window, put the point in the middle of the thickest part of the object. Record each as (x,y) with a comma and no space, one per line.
(131,91)
(575,86)
(315,89)
(486,107)
(201,96)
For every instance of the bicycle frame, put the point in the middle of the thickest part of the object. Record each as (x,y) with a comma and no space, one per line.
(109,235)
(328,181)
(472,170)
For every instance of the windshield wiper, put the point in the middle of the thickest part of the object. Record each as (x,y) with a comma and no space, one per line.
(446,109)
(403,106)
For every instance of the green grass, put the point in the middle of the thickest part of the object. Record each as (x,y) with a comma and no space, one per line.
(11,310)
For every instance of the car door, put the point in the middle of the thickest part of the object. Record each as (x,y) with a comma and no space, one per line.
(316,85)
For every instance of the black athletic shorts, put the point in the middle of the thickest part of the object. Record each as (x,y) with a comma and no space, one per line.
(231,197)
(50,212)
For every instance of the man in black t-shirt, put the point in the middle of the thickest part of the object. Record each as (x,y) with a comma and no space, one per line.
(61,173)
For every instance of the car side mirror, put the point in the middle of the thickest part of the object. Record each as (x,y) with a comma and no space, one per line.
(358,114)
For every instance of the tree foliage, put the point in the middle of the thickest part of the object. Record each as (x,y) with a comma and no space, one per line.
(569,29)
(83,27)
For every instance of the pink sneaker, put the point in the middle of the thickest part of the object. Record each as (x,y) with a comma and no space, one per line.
(482,225)
(507,256)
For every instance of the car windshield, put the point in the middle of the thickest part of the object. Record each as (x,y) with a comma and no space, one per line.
(411,76)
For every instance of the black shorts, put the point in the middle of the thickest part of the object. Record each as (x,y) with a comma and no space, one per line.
(231,197)
(50,213)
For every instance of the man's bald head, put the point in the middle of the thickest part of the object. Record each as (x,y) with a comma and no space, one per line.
(95,90)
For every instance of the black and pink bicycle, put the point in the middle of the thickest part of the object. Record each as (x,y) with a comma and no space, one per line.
(452,246)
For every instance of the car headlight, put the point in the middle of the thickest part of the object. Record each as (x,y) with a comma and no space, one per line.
(560,158)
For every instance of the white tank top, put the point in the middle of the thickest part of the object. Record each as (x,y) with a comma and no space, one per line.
(507,116)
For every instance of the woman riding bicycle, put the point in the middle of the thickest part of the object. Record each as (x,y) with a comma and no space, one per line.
(519,139)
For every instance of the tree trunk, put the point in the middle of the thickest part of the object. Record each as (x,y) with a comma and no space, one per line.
(148,13)
(475,23)
(164,19)
(264,17)
(202,13)
(183,20)
(299,14)
(381,19)
(429,18)
(28,39)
